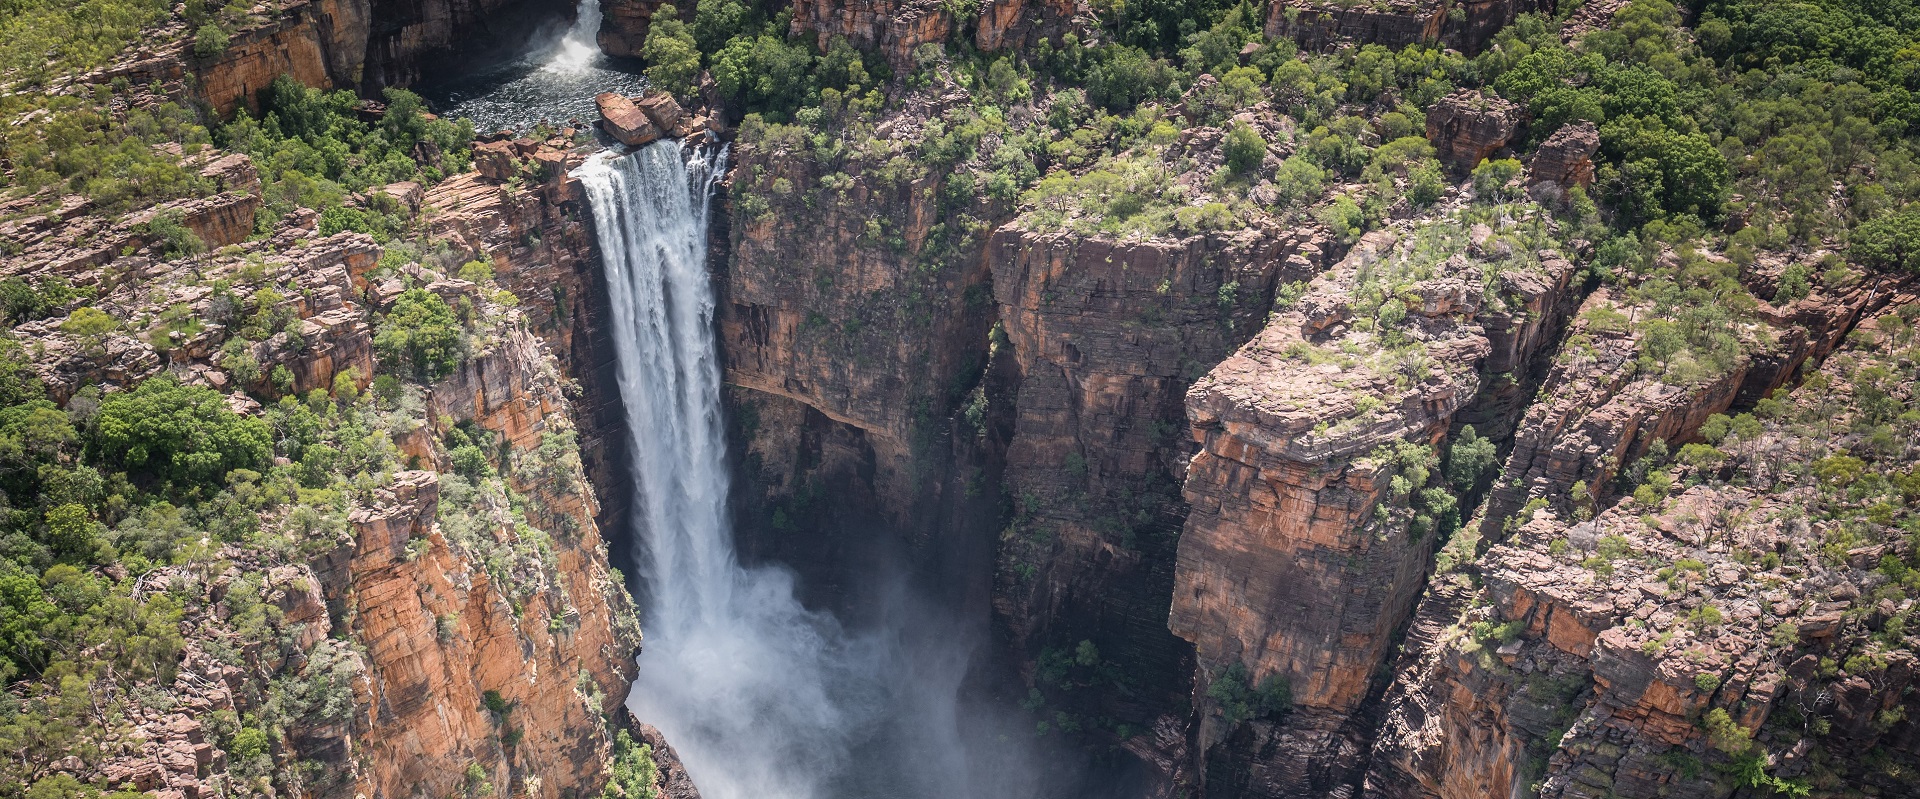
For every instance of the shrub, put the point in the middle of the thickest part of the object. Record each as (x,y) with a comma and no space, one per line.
(209,41)
(1239,701)
(1889,242)
(1490,178)
(1725,734)
(90,327)
(1245,148)
(632,773)
(1795,283)
(421,335)
(1426,184)
(1345,218)
(20,302)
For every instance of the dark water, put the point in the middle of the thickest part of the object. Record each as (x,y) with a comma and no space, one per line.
(555,82)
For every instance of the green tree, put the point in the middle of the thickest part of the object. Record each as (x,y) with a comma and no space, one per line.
(421,335)
(716,21)
(673,59)
(210,41)
(90,327)
(24,613)
(180,434)
(1889,242)
(765,72)
(1471,458)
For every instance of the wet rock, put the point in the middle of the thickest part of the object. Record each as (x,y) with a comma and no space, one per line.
(624,121)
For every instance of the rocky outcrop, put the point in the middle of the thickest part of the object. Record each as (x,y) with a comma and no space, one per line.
(893,27)
(527,616)
(1465,25)
(1312,518)
(623,24)
(1566,157)
(897,27)
(1468,127)
(1014,24)
(1604,405)
(363,45)
(178,748)
(622,120)
(1644,651)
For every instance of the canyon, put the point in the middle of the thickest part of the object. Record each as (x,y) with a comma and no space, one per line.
(1172,506)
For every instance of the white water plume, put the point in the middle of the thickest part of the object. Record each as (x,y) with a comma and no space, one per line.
(580,47)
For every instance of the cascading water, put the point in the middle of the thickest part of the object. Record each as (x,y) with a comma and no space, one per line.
(736,672)
(762,697)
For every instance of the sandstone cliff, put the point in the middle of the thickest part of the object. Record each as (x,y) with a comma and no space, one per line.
(1467,26)
(1313,519)
(854,317)
(363,45)
(1105,336)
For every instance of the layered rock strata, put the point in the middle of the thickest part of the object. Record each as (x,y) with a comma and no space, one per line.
(363,45)
(1467,25)
(1311,534)
(865,302)
(1604,405)
(1642,651)
(473,623)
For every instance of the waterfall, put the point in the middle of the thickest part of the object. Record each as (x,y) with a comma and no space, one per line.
(762,697)
(735,672)
(578,49)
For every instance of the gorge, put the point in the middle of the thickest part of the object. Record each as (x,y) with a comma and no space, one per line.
(1277,398)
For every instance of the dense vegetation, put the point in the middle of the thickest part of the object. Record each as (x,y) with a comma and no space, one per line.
(313,150)
(100,497)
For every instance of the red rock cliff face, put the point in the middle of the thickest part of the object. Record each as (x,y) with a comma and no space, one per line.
(623,24)
(438,588)
(1105,337)
(441,629)
(538,237)
(364,45)
(867,306)
(1309,537)
(1466,26)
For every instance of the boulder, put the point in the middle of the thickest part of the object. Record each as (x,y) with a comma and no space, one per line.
(1567,156)
(625,121)
(494,160)
(1467,127)
(662,110)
